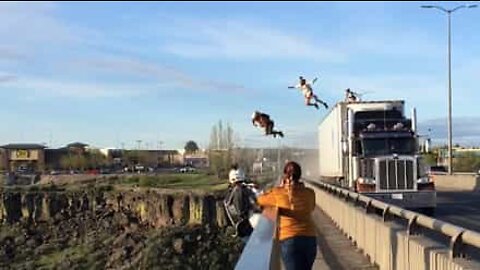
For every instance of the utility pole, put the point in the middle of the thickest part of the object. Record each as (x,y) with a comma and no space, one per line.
(279,172)
(139,142)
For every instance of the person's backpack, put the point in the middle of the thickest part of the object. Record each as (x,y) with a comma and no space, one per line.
(242,224)
(233,213)
(243,228)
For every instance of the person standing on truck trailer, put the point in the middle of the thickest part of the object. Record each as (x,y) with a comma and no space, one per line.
(350,96)
(295,202)
(263,120)
(307,90)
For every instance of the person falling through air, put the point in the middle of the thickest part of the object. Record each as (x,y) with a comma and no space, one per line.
(307,91)
(263,120)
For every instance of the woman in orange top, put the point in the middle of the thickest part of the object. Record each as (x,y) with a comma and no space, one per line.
(297,231)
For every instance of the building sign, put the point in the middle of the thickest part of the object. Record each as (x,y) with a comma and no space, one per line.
(22,154)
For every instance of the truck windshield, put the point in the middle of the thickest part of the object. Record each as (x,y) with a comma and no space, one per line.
(387,146)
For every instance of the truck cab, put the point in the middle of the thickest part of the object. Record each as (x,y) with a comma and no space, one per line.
(378,154)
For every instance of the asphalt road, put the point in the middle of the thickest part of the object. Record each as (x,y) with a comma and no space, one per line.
(459,208)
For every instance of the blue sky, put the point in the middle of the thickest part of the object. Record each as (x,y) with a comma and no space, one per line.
(112,73)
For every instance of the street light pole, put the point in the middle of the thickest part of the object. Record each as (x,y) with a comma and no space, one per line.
(139,143)
(279,172)
(449,121)
(449,118)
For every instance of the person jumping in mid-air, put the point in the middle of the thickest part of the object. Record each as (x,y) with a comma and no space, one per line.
(263,120)
(307,91)
(350,96)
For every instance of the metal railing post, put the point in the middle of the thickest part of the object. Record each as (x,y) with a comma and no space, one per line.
(456,246)
(412,225)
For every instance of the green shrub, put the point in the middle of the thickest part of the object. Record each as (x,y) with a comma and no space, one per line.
(104,188)
(176,181)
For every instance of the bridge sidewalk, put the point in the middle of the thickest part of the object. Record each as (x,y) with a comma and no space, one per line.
(335,250)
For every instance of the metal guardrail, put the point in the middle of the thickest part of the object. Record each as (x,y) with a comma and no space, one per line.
(455,173)
(262,251)
(458,235)
(463,173)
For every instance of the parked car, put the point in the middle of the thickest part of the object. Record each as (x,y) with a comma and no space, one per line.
(105,171)
(24,170)
(93,171)
(437,170)
(187,170)
(54,172)
(139,168)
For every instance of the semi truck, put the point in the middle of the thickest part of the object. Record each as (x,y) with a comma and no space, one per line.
(371,147)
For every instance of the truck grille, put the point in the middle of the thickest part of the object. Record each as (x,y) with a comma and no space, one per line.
(367,166)
(396,174)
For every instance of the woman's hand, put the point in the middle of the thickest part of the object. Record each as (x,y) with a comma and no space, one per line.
(270,213)
(286,180)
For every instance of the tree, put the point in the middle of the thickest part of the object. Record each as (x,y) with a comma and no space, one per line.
(134,157)
(221,149)
(73,161)
(468,162)
(245,158)
(80,162)
(430,158)
(191,147)
(66,162)
(95,159)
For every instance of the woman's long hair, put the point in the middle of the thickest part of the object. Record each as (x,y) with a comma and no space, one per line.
(291,172)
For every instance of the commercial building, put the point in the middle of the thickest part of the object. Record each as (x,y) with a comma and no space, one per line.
(22,157)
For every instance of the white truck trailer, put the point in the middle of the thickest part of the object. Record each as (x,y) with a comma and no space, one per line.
(371,147)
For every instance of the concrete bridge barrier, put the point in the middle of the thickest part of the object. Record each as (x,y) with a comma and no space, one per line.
(457,182)
(386,240)
(262,251)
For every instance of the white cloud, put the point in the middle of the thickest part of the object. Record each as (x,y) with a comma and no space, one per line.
(42,87)
(242,40)
(426,91)
(5,77)
(165,76)
(27,25)
(10,54)
(393,42)
(412,87)
(33,31)
(465,130)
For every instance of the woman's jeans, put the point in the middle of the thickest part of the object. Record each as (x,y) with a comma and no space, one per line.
(299,252)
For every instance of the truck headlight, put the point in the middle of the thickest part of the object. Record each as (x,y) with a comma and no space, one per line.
(366,180)
(423,180)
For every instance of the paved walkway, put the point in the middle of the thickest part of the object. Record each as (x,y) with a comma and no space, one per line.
(336,251)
